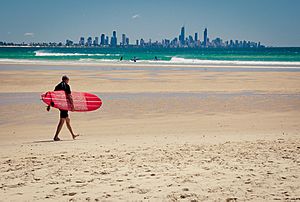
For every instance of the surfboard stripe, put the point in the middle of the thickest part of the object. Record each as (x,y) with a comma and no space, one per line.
(56,99)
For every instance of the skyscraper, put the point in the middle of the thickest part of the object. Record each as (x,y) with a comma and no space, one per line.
(123,39)
(102,40)
(113,41)
(106,40)
(205,38)
(190,39)
(89,41)
(142,42)
(196,37)
(81,41)
(96,41)
(69,42)
(182,37)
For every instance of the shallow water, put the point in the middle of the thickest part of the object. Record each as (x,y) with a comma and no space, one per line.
(149,68)
(34,98)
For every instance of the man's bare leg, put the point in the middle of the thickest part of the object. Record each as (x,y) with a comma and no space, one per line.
(59,127)
(68,122)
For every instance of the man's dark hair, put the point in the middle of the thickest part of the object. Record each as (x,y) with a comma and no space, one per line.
(65,77)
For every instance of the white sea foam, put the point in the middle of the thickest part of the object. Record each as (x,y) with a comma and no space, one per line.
(43,53)
(174,60)
(97,60)
(178,60)
(38,53)
(172,63)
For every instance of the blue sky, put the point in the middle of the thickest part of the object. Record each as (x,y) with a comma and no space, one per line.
(273,22)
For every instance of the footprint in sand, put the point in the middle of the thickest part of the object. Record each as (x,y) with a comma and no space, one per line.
(142,191)
(231,199)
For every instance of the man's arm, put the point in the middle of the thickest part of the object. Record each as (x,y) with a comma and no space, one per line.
(52,104)
(69,97)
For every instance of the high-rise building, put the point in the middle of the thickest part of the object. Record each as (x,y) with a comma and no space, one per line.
(205,38)
(102,40)
(69,42)
(96,41)
(113,40)
(182,37)
(123,39)
(142,42)
(89,41)
(166,42)
(115,37)
(81,41)
(112,43)
(127,41)
(196,37)
(106,40)
(231,43)
(137,42)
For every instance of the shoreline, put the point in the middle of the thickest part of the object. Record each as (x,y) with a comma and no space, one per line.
(165,64)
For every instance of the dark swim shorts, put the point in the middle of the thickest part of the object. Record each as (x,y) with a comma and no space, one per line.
(64,114)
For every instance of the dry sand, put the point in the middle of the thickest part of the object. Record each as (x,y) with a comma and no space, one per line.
(161,135)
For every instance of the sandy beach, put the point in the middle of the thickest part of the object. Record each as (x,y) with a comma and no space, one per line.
(163,134)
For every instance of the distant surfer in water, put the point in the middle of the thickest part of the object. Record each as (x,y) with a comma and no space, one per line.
(64,116)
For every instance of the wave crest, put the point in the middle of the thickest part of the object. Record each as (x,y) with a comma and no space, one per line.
(54,54)
(178,60)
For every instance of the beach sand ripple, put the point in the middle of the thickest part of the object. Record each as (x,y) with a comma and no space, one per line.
(231,171)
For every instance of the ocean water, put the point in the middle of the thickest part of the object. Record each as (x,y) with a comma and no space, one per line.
(264,56)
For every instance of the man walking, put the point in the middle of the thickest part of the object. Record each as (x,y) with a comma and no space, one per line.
(64,116)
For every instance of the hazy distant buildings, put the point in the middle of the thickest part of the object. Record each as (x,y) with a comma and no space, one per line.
(183,41)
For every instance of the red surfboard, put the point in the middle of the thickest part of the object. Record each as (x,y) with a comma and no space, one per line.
(82,101)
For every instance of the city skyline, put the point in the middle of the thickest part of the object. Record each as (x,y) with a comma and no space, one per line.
(274,23)
(184,40)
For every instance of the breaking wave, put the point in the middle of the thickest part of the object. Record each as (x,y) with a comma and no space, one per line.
(178,60)
(43,53)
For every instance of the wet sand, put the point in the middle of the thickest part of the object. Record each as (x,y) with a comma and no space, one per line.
(161,135)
